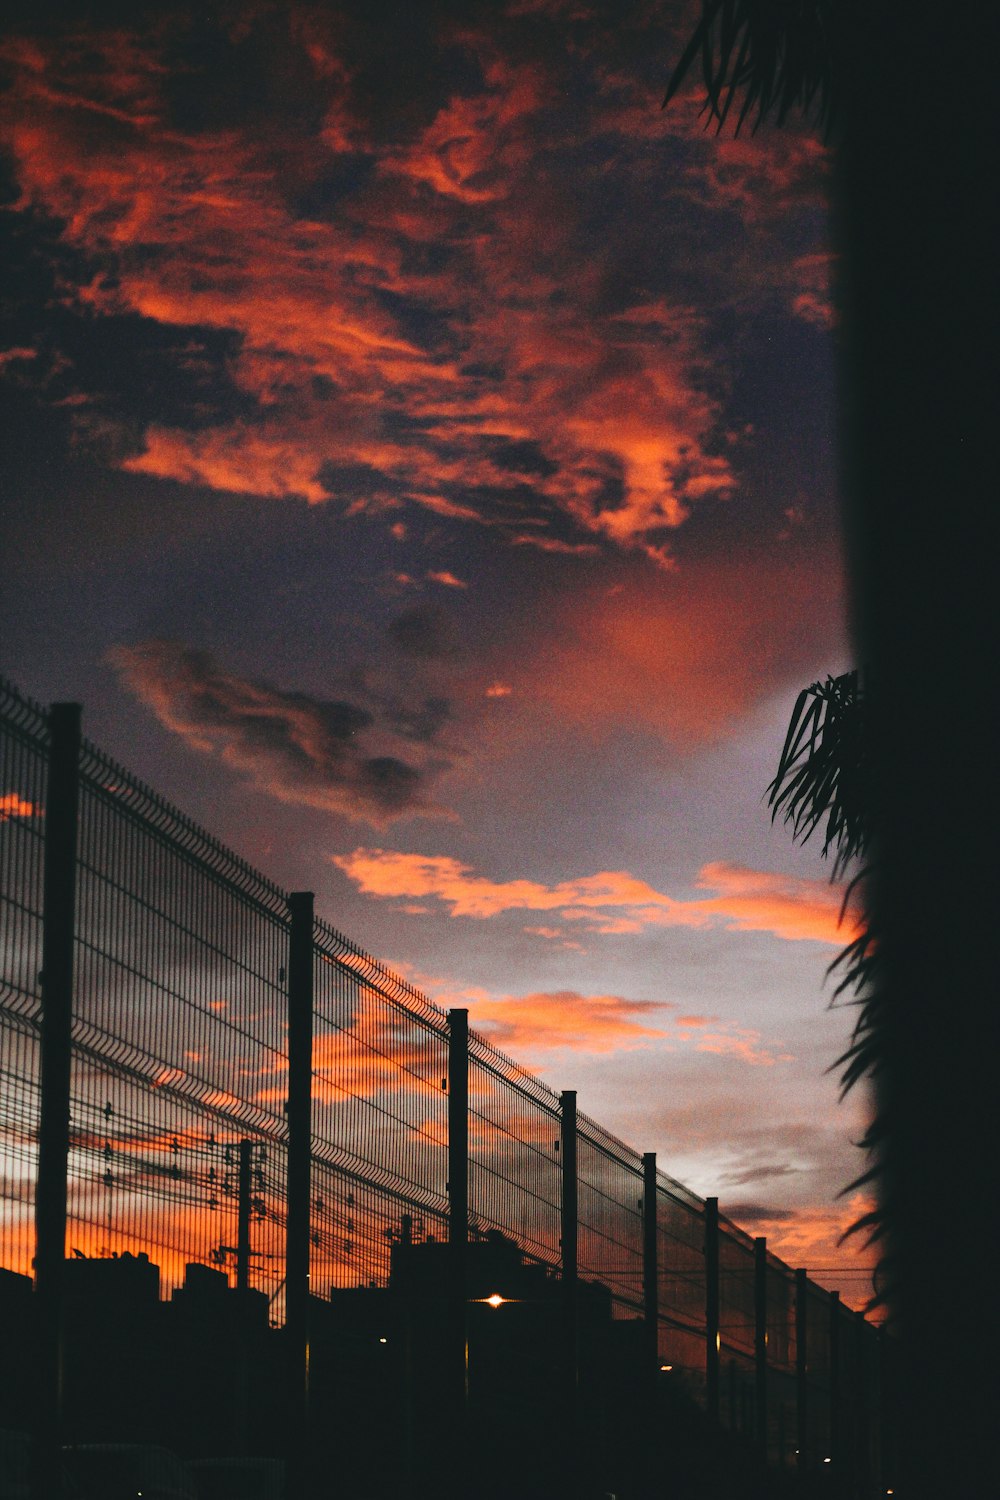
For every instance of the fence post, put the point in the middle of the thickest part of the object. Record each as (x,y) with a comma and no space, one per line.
(862,1406)
(570,1217)
(712,1339)
(834,1451)
(59,902)
(458,1134)
(760,1339)
(801,1369)
(650,1269)
(300,1029)
(458,1236)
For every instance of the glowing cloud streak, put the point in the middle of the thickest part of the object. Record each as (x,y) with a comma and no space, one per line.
(612,901)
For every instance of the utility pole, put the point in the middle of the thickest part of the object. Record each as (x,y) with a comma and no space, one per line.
(245,1150)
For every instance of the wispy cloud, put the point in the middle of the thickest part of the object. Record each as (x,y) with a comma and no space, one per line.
(332,754)
(612,901)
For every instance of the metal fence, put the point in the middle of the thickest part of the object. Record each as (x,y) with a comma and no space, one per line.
(180,1083)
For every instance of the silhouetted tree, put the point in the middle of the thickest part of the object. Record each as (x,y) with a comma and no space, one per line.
(910,91)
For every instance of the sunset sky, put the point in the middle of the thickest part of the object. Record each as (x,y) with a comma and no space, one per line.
(419,463)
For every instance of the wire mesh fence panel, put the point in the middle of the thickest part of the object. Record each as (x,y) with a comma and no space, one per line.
(20,1105)
(844,1379)
(515,1175)
(818,1316)
(354,1225)
(179,1028)
(23,769)
(680,1263)
(782,1393)
(181,953)
(179,1094)
(737,1310)
(737,1392)
(155,1172)
(869,1350)
(610,1231)
(380,1109)
(780,1295)
(24,744)
(782,1419)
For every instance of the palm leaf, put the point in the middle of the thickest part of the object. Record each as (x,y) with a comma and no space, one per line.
(824,781)
(785,59)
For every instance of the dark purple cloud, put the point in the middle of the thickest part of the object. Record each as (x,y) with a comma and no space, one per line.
(324,753)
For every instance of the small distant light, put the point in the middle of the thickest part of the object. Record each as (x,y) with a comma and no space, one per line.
(666,1367)
(718,1342)
(383,1341)
(828,1460)
(495,1300)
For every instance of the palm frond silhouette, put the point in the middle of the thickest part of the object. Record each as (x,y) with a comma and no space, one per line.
(775,56)
(824,781)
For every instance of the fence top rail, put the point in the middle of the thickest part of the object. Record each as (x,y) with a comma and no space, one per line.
(779,1267)
(114,785)
(501,1066)
(389,986)
(673,1189)
(354,961)
(24,716)
(597,1136)
(735,1233)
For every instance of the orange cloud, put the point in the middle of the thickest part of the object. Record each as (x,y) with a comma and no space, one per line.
(788,906)
(545,1022)
(601,405)
(612,901)
(811,1237)
(448,579)
(740,1042)
(239,459)
(565,1018)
